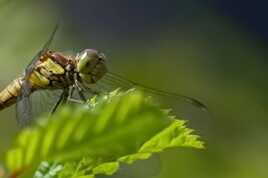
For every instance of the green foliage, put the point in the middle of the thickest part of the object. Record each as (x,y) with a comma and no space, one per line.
(48,170)
(95,138)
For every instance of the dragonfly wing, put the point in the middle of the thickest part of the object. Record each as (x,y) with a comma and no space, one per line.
(31,65)
(120,81)
(30,107)
(24,106)
(44,101)
(182,106)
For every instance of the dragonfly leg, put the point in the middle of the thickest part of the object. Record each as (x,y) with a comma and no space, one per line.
(81,94)
(62,100)
(76,101)
(79,88)
(71,93)
(71,99)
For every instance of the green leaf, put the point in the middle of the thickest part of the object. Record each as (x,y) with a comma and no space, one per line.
(95,138)
(106,168)
(48,170)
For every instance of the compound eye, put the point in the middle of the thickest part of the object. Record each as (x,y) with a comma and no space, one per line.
(83,55)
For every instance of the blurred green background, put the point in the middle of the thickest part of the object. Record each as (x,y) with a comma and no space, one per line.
(211,50)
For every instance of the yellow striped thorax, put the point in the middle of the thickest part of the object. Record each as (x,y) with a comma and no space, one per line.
(45,69)
(38,80)
(52,67)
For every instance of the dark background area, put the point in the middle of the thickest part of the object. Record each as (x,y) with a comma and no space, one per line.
(214,51)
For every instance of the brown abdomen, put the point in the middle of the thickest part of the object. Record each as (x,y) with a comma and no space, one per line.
(8,96)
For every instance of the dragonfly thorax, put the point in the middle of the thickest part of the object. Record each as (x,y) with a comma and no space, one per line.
(91,66)
(53,70)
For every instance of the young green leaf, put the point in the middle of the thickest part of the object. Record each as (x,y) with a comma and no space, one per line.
(95,138)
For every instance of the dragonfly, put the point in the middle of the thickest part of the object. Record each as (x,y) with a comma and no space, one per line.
(52,70)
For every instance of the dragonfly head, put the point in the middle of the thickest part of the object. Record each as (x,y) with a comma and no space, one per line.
(91,65)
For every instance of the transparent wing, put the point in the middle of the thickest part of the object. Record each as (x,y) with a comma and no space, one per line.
(31,65)
(24,107)
(44,101)
(115,79)
(182,106)
(32,106)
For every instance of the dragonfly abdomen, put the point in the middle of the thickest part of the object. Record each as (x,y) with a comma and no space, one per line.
(8,96)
